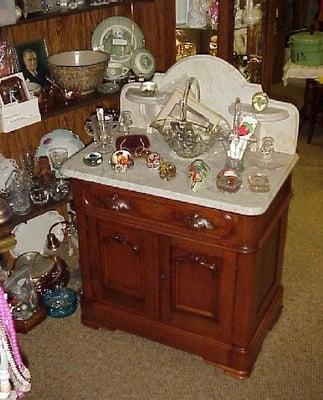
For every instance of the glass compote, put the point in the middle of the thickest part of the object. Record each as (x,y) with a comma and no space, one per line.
(266,158)
(60,188)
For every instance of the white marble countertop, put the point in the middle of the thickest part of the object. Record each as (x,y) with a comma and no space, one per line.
(142,179)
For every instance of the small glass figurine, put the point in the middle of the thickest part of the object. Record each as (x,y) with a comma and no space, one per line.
(167,171)
(229,178)
(197,173)
(258,183)
(267,149)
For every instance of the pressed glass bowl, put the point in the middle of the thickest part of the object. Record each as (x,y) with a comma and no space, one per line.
(188,139)
(60,302)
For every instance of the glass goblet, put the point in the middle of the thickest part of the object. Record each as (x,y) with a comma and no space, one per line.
(57,156)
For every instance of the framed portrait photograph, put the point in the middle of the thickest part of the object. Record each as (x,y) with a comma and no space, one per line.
(32,58)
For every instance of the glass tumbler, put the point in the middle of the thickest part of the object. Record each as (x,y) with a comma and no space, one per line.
(17,187)
(39,194)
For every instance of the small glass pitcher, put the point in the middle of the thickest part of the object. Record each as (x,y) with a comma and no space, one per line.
(17,186)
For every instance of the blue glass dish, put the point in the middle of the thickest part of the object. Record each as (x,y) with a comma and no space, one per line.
(60,302)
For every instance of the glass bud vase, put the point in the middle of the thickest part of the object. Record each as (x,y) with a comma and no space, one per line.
(229,178)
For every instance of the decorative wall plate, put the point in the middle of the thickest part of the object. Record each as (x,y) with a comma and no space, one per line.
(143,63)
(59,138)
(118,36)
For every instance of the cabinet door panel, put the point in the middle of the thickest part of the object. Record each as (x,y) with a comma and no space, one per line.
(198,287)
(123,269)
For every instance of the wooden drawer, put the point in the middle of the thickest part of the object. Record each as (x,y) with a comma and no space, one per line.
(155,213)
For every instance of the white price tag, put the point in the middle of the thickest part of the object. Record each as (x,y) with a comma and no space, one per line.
(119,42)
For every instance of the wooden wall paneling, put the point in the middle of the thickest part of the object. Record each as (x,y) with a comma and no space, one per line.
(226,30)
(157,21)
(13,144)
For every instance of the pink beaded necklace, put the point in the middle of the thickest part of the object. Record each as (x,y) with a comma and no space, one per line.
(19,374)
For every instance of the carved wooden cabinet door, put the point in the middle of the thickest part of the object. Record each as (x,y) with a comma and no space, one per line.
(198,287)
(122,266)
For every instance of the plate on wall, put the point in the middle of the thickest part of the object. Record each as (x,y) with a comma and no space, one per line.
(59,138)
(143,63)
(118,36)
(32,235)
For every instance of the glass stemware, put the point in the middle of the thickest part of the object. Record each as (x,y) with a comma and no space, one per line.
(266,158)
(60,188)
(57,156)
(102,133)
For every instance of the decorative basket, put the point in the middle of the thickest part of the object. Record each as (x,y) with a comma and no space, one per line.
(189,128)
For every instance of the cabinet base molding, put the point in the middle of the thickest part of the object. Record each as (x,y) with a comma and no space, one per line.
(235,360)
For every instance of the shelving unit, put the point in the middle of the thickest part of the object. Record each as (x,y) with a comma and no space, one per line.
(64,11)
(5,229)
(61,107)
(73,29)
(264,41)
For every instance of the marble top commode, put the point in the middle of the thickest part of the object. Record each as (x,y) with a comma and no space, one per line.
(220,84)
(144,180)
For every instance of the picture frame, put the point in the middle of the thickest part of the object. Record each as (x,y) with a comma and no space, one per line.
(32,59)
(13,90)
(17,107)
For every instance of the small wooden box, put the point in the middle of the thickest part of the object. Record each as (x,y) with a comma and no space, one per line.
(27,325)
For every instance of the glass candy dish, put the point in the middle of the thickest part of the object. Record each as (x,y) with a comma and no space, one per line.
(60,302)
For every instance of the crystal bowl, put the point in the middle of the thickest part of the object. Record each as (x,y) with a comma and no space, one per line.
(188,139)
(78,70)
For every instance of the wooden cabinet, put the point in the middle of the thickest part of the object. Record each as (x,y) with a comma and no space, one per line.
(196,296)
(261,43)
(199,279)
(123,271)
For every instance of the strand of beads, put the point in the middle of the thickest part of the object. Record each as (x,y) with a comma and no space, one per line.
(5,386)
(21,382)
(20,374)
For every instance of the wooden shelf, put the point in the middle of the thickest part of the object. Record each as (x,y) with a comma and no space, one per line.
(61,107)
(33,17)
(5,229)
(186,27)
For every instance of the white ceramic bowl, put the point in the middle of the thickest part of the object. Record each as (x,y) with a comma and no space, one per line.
(78,70)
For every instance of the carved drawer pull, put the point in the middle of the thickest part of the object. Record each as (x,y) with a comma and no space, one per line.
(199,260)
(125,242)
(195,221)
(116,204)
